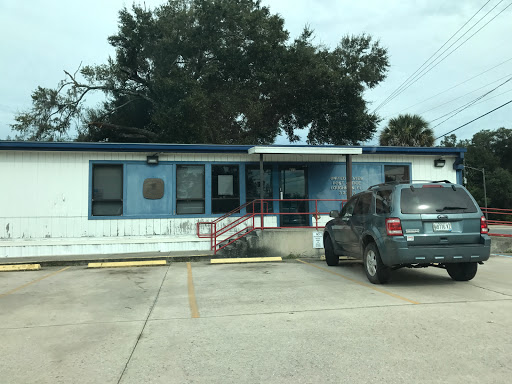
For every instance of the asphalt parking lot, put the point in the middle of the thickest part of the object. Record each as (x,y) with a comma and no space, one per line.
(290,322)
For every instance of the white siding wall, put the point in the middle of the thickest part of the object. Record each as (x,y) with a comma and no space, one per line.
(44,203)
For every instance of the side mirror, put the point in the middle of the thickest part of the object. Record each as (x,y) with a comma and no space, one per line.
(334,214)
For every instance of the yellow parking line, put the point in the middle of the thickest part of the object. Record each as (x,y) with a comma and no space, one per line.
(20,267)
(32,282)
(245,260)
(127,264)
(192,294)
(361,283)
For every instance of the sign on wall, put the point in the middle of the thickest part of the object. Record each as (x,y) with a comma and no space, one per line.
(329,181)
(317,240)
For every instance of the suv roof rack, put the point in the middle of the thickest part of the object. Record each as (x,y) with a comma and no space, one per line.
(408,182)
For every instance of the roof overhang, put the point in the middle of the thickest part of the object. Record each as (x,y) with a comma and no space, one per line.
(296,150)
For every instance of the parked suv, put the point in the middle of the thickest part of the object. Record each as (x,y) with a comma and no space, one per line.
(395,225)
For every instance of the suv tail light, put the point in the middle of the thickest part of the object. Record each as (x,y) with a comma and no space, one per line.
(394,227)
(483,225)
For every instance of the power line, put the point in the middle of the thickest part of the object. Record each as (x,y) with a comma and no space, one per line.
(457,47)
(449,89)
(468,93)
(490,98)
(467,105)
(479,117)
(420,72)
(426,61)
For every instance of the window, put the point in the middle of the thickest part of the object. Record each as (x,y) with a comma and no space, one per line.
(107,190)
(363,204)
(153,189)
(383,201)
(396,173)
(436,200)
(252,186)
(225,188)
(190,189)
(348,208)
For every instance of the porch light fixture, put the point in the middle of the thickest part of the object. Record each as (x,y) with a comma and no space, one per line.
(152,160)
(439,163)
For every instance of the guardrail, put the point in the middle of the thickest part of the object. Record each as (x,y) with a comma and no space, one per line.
(492,215)
(223,232)
(498,217)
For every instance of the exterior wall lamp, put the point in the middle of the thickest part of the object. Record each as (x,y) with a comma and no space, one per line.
(439,163)
(152,160)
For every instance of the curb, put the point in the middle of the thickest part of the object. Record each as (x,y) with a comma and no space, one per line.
(69,262)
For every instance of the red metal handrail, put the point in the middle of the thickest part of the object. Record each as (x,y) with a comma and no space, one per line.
(215,232)
(497,211)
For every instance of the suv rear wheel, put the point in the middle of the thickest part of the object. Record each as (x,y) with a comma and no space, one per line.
(462,271)
(375,270)
(330,257)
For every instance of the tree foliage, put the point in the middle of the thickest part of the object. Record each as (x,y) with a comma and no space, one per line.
(407,131)
(490,150)
(214,71)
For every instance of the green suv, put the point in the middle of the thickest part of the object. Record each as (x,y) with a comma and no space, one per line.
(395,225)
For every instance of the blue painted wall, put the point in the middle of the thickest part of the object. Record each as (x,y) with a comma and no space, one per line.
(328,181)
(136,204)
(325,181)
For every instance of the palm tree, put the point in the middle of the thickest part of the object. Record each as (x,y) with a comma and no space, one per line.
(407,131)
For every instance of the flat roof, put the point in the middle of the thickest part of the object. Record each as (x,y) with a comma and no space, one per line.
(312,150)
(214,148)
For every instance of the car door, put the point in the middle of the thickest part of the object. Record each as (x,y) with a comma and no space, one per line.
(359,222)
(342,225)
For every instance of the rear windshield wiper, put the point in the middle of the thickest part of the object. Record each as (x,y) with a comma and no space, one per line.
(450,208)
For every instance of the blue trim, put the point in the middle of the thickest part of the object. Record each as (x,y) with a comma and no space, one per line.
(208,185)
(414,150)
(203,148)
(120,147)
(208,188)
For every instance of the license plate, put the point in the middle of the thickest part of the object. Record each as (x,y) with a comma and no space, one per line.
(442,227)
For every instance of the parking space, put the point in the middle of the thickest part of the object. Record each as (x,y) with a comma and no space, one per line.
(298,321)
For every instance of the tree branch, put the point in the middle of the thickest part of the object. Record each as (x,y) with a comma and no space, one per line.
(132,130)
(105,88)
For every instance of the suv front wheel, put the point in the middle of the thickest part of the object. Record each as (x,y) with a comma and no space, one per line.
(462,271)
(330,257)
(375,270)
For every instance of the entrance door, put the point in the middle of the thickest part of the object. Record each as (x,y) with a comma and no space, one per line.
(293,185)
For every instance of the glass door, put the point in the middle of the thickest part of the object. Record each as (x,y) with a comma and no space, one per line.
(293,185)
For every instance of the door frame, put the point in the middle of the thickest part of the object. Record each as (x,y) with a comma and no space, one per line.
(281,167)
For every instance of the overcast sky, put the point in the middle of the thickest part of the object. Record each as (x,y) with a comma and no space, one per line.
(39,39)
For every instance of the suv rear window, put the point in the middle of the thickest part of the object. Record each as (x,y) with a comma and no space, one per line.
(436,200)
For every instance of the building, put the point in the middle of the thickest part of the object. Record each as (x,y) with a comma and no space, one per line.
(90,198)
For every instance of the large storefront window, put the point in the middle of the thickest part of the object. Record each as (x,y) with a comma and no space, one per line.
(252,186)
(189,189)
(396,173)
(107,190)
(225,188)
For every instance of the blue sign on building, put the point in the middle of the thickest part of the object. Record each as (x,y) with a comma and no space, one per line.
(329,181)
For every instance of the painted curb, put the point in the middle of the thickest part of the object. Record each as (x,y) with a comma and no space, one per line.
(127,264)
(20,267)
(245,260)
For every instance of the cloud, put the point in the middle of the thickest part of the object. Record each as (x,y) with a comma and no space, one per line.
(43,39)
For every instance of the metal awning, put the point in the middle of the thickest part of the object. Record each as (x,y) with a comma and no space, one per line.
(303,150)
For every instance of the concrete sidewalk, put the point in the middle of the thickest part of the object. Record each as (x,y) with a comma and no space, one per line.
(66,260)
